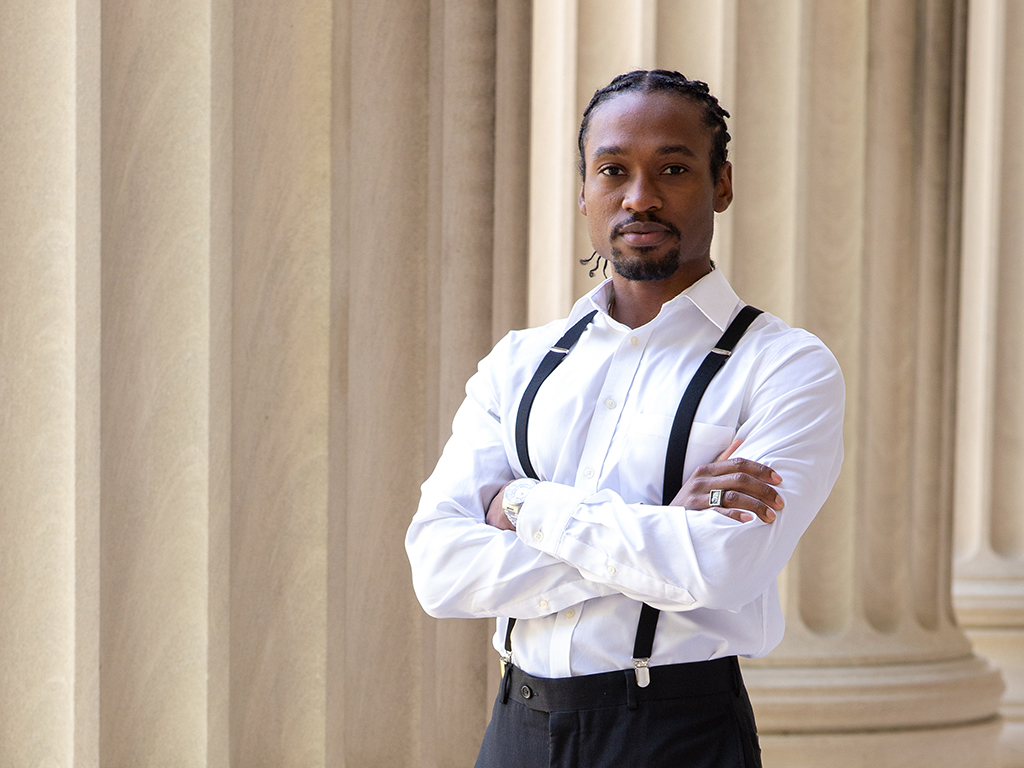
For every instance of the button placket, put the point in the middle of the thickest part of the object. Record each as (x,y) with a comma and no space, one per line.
(608,409)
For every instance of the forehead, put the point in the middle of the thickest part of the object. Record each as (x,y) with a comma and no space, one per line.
(648,121)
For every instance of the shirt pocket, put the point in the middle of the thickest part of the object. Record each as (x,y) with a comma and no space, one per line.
(644,456)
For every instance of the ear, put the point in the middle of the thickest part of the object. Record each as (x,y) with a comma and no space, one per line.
(723,188)
(582,202)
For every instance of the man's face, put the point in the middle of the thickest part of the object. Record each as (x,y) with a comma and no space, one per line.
(648,194)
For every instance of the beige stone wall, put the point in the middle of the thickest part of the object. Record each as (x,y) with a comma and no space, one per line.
(251,252)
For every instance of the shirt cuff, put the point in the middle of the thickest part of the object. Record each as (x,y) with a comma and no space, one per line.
(546,513)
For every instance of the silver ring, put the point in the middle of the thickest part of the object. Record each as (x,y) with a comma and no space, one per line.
(716,498)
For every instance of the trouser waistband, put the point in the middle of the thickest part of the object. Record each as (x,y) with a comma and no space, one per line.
(611,689)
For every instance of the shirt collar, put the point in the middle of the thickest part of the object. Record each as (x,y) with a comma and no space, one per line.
(712,295)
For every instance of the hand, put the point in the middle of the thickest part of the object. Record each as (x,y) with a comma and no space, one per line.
(496,514)
(747,488)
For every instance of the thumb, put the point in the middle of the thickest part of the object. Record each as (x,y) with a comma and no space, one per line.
(730,450)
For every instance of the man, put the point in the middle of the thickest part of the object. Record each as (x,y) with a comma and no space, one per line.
(651,381)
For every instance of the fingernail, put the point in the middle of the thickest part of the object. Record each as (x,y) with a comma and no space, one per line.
(776,477)
(779,503)
(770,516)
(746,517)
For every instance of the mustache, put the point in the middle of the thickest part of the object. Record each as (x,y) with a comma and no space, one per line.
(647,218)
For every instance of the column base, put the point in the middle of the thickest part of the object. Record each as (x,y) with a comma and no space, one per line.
(971,745)
(885,697)
(1004,647)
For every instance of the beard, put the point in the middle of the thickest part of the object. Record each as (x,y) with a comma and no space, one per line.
(639,269)
(635,266)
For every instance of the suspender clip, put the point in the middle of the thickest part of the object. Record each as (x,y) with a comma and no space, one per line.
(643,674)
(720,351)
(560,350)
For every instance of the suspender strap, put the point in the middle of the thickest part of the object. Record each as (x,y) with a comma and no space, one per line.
(551,361)
(507,658)
(676,457)
(679,437)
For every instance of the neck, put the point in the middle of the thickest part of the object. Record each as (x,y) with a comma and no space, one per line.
(637,302)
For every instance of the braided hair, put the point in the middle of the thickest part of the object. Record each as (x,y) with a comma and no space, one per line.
(648,81)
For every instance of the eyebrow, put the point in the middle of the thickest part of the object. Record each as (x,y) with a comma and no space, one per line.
(677,149)
(672,149)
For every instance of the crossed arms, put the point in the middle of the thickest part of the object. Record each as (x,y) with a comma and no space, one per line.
(572,544)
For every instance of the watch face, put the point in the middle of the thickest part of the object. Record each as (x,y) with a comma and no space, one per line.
(517,495)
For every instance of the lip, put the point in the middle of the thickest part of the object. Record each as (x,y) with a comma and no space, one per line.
(644,234)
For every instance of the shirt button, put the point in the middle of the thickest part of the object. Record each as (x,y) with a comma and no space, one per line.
(570,613)
(588,472)
(609,403)
(538,536)
(634,341)
(543,603)
(611,570)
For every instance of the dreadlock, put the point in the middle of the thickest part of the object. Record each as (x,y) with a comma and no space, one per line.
(597,259)
(647,81)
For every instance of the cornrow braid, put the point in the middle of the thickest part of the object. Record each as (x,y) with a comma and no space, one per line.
(647,81)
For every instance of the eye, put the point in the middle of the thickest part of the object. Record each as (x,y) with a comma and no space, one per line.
(674,170)
(610,170)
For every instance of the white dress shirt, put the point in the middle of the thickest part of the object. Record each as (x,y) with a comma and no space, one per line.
(592,539)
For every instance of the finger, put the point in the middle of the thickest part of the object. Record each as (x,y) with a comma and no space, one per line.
(741,502)
(739,484)
(738,490)
(736,514)
(730,450)
(742,466)
(754,487)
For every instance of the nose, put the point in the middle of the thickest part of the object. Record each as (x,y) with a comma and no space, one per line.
(641,195)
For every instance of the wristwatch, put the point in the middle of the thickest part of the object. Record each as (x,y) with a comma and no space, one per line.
(515,495)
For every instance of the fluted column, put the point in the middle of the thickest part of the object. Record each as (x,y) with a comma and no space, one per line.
(281,271)
(875,243)
(250,256)
(461,288)
(157,369)
(846,139)
(49,397)
(989,562)
(429,199)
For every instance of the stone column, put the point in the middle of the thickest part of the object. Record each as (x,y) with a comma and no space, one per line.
(49,396)
(846,141)
(460,290)
(280,357)
(157,427)
(873,663)
(429,243)
(989,563)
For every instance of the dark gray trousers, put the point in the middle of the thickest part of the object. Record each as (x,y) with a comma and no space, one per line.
(691,716)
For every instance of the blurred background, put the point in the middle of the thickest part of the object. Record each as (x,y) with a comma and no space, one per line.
(250,252)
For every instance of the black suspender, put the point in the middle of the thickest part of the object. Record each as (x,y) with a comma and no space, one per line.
(679,437)
(551,360)
(674,460)
(675,457)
